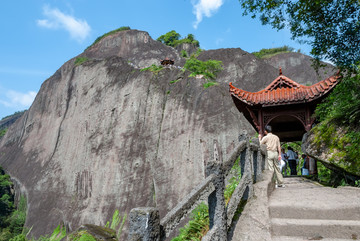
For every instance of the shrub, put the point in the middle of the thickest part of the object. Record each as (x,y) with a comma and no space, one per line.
(339,115)
(209,69)
(153,68)
(3,132)
(267,53)
(234,180)
(197,226)
(210,83)
(172,39)
(80,60)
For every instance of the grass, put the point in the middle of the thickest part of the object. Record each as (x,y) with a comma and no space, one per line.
(197,226)
(80,60)
(267,53)
(3,132)
(153,68)
(209,84)
(234,181)
(117,223)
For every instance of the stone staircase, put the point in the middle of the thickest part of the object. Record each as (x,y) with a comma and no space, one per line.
(305,210)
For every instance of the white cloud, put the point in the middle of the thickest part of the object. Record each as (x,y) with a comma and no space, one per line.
(55,19)
(205,8)
(17,99)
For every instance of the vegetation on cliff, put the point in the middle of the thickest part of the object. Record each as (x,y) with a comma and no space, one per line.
(3,132)
(12,218)
(267,53)
(172,39)
(208,69)
(339,117)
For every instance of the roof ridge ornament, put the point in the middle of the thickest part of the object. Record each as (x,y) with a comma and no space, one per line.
(280,71)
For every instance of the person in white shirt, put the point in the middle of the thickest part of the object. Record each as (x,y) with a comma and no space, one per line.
(273,148)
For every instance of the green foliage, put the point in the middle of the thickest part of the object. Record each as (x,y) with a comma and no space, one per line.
(234,180)
(6,199)
(11,220)
(209,69)
(3,132)
(324,174)
(172,39)
(343,105)
(184,54)
(117,223)
(80,60)
(209,83)
(153,68)
(20,237)
(109,33)
(87,237)
(339,116)
(331,27)
(197,226)
(267,53)
(174,81)
(59,233)
(81,236)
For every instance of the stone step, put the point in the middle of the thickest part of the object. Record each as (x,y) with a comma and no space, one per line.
(331,229)
(287,238)
(319,212)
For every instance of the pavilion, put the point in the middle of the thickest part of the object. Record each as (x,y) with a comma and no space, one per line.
(284,104)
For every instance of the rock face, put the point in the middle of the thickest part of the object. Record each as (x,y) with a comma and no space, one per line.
(298,67)
(328,157)
(105,135)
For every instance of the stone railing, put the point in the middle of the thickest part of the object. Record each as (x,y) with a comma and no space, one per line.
(145,223)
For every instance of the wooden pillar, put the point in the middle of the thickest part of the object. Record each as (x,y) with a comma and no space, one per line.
(261,122)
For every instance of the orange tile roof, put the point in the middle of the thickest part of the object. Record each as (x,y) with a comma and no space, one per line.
(283,91)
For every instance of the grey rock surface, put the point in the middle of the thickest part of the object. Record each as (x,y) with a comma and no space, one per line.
(298,67)
(105,135)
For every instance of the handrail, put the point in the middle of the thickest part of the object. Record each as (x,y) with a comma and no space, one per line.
(145,223)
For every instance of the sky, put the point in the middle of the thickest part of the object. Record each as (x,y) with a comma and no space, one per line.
(39,36)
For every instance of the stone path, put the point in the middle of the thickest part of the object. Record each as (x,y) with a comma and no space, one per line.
(305,210)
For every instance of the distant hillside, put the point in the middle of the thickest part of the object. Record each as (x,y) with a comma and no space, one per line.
(7,121)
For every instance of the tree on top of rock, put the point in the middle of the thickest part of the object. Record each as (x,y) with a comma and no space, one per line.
(172,39)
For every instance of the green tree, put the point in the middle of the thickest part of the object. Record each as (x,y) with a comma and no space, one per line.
(169,38)
(331,27)
(172,39)
(6,199)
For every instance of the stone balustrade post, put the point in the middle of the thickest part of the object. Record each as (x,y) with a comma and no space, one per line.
(144,224)
(216,200)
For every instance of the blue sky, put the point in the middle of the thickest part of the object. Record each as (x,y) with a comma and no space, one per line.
(38,36)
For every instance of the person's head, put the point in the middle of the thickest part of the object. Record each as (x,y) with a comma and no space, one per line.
(290,148)
(303,156)
(282,149)
(268,129)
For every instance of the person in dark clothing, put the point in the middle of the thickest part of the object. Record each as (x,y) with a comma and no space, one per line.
(291,157)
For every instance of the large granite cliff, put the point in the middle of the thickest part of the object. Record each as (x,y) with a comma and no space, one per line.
(104,135)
